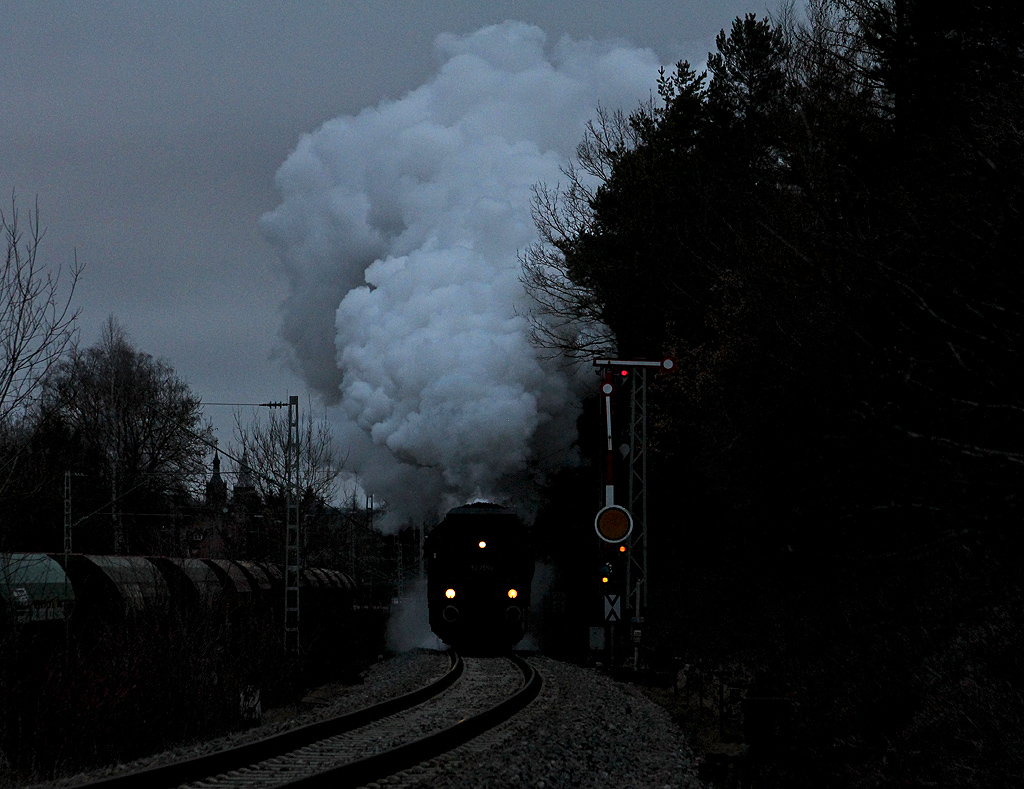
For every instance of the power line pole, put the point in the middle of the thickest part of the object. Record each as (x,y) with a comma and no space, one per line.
(67,515)
(292,549)
(637,493)
(293,495)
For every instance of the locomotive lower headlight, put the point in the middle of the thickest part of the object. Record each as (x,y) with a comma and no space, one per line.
(449,593)
(512,594)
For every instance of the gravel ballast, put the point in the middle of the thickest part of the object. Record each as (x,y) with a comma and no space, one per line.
(584,730)
(384,680)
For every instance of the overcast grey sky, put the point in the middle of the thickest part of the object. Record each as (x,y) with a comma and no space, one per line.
(151,134)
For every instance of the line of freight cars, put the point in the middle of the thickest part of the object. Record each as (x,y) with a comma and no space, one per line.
(89,592)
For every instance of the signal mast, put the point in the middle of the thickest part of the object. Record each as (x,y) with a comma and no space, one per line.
(626,527)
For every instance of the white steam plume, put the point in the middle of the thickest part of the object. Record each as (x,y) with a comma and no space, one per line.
(399,230)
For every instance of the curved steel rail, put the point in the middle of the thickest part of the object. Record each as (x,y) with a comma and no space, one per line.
(373,768)
(190,770)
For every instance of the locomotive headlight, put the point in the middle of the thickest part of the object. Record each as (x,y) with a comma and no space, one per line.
(512,594)
(449,593)
(482,544)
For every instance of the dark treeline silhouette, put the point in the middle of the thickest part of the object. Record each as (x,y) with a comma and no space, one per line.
(131,433)
(825,229)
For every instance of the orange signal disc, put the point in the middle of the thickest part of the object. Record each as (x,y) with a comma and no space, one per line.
(613,523)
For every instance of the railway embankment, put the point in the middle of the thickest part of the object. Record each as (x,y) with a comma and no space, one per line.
(583,730)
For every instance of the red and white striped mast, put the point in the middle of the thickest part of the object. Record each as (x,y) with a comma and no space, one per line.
(608,521)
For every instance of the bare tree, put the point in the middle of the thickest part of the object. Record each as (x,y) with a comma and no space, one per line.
(139,420)
(37,326)
(263,446)
(566,317)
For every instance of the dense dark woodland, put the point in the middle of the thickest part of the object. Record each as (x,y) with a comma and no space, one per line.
(825,229)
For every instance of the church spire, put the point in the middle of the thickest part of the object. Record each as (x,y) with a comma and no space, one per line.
(244,479)
(216,487)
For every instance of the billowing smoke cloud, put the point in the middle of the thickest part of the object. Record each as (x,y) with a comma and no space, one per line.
(399,230)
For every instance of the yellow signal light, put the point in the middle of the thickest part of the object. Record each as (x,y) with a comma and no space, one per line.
(482,544)
(513,594)
(622,549)
(604,579)
(449,593)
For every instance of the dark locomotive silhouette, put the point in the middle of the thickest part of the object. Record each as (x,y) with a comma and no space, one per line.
(479,572)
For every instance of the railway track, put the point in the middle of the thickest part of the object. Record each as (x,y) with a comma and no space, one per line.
(351,750)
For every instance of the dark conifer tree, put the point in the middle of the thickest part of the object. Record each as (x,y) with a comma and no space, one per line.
(825,233)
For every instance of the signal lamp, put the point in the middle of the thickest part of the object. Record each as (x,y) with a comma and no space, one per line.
(604,579)
(622,549)
(482,544)
(512,594)
(449,593)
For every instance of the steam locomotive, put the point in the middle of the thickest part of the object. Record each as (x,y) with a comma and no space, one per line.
(479,572)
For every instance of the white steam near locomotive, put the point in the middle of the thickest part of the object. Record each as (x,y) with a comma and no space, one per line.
(399,230)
